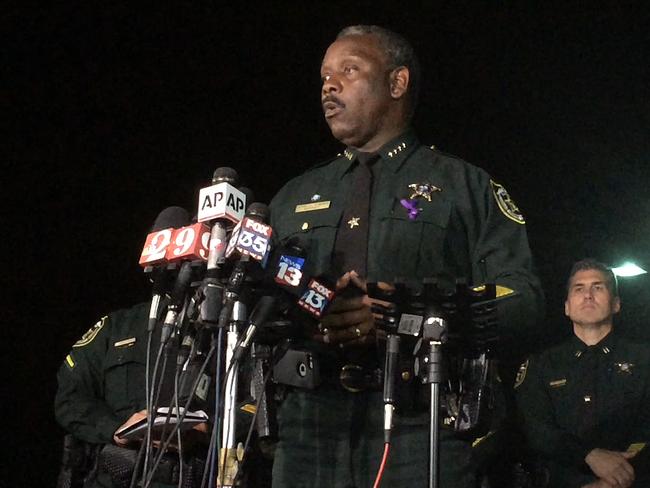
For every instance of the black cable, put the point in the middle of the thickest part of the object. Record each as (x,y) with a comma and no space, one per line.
(215,446)
(150,413)
(178,432)
(249,435)
(165,444)
(147,370)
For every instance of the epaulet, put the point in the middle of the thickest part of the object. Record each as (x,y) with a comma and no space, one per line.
(324,162)
(443,153)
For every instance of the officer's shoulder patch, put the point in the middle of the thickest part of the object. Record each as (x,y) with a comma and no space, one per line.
(506,204)
(521,374)
(88,337)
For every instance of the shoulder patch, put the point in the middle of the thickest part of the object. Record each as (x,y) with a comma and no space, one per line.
(521,374)
(506,204)
(88,337)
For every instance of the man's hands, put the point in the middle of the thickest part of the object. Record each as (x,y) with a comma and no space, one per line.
(136,417)
(611,467)
(349,321)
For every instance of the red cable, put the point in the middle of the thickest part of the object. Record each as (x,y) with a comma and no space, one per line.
(382,466)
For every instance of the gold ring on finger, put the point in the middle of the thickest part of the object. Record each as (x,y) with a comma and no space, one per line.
(357,331)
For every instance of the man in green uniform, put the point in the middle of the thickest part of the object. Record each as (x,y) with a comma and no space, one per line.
(387,207)
(586,402)
(102,388)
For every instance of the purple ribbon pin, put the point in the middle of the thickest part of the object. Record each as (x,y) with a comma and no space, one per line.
(411,206)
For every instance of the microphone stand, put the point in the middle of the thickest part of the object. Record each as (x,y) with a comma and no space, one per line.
(228,459)
(434,332)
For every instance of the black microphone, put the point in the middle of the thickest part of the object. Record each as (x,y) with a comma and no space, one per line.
(390,373)
(219,241)
(289,268)
(259,315)
(177,301)
(225,174)
(171,217)
(250,240)
(221,200)
(221,225)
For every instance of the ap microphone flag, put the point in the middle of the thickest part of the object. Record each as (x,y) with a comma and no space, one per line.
(222,200)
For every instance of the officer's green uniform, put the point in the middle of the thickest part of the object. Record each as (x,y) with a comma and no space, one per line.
(102,380)
(574,398)
(469,229)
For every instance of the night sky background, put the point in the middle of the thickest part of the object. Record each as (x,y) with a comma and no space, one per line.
(113,111)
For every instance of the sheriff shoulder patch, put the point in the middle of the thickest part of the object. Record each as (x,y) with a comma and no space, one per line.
(88,337)
(506,204)
(521,374)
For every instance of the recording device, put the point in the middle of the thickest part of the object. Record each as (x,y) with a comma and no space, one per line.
(297,367)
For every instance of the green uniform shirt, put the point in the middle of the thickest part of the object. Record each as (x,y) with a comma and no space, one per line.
(102,380)
(559,388)
(466,227)
(470,229)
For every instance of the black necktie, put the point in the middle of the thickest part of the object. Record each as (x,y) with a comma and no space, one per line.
(351,247)
(588,369)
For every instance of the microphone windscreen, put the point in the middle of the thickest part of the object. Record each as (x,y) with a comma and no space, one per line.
(258,211)
(174,217)
(225,174)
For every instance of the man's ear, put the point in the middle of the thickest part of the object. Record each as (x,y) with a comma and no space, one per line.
(616,305)
(399,82)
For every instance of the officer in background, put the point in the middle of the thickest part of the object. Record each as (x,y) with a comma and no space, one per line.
(102,388)
(387,207)
(586,402)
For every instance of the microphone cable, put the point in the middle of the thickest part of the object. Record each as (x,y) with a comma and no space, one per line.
(382,466)
(165,444)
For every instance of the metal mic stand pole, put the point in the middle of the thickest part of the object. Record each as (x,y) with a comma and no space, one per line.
(435,329)
(228,459)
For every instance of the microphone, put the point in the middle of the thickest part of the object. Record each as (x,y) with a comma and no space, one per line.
(221,200)
(252,236)
(160,237)
(250,239)
(219,240)
(317,297)
(189,243)
(161,233)
(390,372)
(212,289)
(259,315)
(290,266)
(179,290)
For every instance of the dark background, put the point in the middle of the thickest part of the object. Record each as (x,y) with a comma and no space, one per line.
(114,111)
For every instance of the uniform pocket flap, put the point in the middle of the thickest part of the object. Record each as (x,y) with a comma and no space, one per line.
(117,356)
(305,221)
(436,212)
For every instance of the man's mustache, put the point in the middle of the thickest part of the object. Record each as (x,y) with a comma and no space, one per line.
(331,101)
